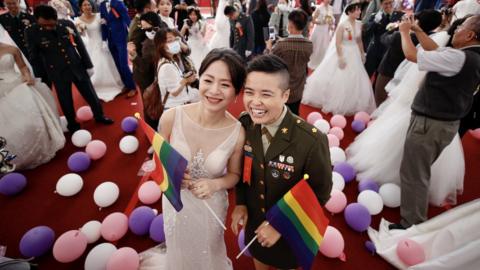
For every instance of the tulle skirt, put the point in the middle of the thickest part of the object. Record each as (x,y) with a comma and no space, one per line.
(340,91)
(320,38)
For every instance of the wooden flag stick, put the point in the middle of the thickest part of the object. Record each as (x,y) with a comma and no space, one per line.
(249,244)
(214,215)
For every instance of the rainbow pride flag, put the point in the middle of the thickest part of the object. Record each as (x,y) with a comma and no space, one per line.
(169,165)
(299,218)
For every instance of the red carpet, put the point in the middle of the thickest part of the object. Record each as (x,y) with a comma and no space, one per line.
(38,205)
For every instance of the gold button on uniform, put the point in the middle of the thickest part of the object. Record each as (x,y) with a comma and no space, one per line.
(261,166)
(263,210)
(262,197)
(261,182)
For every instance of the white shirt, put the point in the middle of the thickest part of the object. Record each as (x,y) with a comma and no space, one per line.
(169,21)
(446,61)
(272,129)
(169,77)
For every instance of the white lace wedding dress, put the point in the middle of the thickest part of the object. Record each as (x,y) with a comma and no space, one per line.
(377,152)
(321,34)
(29,119)
(341,91)
(194,238)
(106,79)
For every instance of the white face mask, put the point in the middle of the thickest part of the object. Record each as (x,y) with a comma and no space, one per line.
(150,34)
(174,47)
(282,7)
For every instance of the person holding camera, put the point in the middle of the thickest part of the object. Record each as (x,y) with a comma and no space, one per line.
(279,18)
(428,20)
(193,31)
(172,81)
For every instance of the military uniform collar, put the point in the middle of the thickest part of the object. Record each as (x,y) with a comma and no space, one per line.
(281,139)
(273,127)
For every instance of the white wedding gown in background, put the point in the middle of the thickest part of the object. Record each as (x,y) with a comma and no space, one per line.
(29,119)
(321,35)
(106,79)
(377,152)
(197,43)
(341,91)
(221,37)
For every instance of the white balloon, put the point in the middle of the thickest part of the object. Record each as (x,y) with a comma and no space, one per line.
(69,184)
(81,138)
(106,194)
(98,257)
(64,123)
(128,144)
(322,125)
(371,200)
(337,155)
(338,181)
(91,230)
(390,195)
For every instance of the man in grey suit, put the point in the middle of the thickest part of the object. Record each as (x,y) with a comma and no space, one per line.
(242,34)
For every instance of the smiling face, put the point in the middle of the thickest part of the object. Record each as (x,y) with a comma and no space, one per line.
(165,7)
(86,7)
(263,97)
(216,89)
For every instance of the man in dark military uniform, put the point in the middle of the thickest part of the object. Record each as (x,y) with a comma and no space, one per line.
(279,149)
(242,34)
(15,22)
(55,45)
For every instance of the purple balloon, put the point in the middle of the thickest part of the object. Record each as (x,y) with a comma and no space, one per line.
(358,126)
(140,220)
(156,229)
(357,217)
(37,241)
(368,184)
(129,124)
(78,162)
(241,243)
(370,246)
(346,170)
(12,184)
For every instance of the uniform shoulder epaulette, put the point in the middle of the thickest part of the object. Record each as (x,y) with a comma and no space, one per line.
(308,128)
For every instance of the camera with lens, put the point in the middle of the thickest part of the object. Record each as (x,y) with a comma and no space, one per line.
(189,22)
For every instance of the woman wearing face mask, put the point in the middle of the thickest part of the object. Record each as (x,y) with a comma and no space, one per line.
(211,139)
(164,10)
(106,79)
(173,83)
(279,18)
(194,30)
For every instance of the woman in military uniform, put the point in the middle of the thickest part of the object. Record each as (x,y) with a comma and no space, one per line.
(279,149)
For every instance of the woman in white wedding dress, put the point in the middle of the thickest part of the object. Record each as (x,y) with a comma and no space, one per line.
(195,28)
(377,152)
(211,139)
(340,84)
(324,22)
(29,118)
(221,36)
(106,79)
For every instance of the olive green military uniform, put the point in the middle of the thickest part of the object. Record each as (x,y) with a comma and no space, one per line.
(297,148)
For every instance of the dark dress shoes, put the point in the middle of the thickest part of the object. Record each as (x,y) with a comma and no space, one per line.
(104,120)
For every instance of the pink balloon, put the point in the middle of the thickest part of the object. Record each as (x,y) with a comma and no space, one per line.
(410,252)
(125,258)
(337,202)
(69,246)
(96,149)
(475,133)
(362,116)
(114,226)
(337,132)
(333,244)
(333,140)
(149,192)
(84,113)
(338,121)
(313,116)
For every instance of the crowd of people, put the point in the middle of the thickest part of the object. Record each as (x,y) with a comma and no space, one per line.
(415,73)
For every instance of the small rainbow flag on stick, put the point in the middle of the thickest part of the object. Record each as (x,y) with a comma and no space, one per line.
(299,218)
(169,165)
